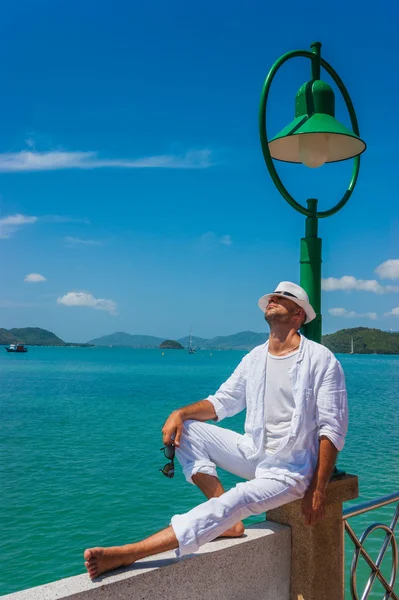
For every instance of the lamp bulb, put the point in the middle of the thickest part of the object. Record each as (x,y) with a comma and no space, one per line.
(313,149)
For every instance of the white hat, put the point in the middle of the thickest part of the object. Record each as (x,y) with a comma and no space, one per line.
(293,292)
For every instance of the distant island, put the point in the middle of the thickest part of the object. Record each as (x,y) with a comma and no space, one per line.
(171,345)
(365,340)
(33,336)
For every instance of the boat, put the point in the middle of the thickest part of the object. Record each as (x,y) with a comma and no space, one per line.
(190,349)
(19,347)
(352,350)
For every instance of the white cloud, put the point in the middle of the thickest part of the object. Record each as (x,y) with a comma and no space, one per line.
(73,241)
(226,240)
(341,312)
(348,282)
(394,313)
(11,224)
(88,300)
(370,315)
(351,314)
(34,278)
(28,161)
(388,269)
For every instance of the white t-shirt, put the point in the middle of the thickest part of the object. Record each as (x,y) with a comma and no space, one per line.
(279,399)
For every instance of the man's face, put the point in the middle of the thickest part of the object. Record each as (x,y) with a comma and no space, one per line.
(282,310)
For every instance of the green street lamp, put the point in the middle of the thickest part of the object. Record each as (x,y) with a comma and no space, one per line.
(313,138)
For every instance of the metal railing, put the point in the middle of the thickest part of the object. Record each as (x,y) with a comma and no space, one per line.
(389,540)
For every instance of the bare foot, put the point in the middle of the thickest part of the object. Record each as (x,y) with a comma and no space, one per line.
(236,531)
(101,560)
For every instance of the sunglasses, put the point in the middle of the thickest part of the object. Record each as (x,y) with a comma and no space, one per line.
(169,468)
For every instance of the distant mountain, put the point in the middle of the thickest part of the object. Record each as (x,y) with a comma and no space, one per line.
(365,341)
(126,339)
(32,336)
(196,341)
(6,337)
(246,340)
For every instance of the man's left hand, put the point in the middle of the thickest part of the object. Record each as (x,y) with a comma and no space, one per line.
(313,505)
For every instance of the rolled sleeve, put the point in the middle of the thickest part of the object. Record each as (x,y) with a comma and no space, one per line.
(219,408)
(332,405)
(230,398)
(334,435)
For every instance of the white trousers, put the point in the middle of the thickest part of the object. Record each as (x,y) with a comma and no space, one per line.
(203,447)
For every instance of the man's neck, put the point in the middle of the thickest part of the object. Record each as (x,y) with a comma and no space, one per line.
(283,340)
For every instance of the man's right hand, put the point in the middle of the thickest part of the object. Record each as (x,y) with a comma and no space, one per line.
(172,429)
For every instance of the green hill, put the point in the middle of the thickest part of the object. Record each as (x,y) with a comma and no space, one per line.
(171,345)
(32,336)
(7,338)
(365,341)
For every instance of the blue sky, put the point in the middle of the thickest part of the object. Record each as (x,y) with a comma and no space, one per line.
(131,175)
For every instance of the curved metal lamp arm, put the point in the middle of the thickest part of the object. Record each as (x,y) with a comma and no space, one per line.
(265,142)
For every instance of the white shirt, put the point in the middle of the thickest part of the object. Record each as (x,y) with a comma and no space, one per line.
(321,409)
(279,399)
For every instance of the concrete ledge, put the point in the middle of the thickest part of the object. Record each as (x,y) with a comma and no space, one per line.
(317,571)
(254,567)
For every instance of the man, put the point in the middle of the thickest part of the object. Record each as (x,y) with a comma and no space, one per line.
(294,393)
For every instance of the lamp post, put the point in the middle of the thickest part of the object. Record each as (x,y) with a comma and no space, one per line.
(313,138)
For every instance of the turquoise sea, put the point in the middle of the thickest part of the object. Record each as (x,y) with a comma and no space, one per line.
(80,449)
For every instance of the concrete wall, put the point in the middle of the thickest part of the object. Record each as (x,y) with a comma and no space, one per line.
(254,567)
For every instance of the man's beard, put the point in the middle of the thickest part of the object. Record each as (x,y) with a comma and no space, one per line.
(274,318)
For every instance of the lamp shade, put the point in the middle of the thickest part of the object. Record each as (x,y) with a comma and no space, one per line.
(315,136)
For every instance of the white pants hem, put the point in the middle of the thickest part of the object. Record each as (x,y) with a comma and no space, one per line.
(185,536)
(198,466)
